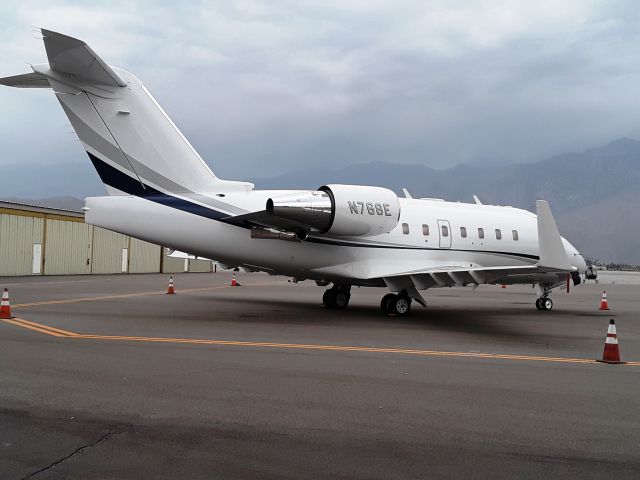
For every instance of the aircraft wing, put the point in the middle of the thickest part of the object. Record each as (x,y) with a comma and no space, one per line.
(553,260)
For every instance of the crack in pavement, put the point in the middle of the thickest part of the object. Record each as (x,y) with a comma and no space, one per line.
(103,438)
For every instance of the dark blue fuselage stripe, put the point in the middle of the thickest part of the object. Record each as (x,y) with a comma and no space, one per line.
(115,178)
(123,182)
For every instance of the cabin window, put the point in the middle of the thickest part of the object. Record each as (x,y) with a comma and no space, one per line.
(481,233)
(425,229)
(405,228)
(515,234)
(498,234)
(463,232)
(445,231)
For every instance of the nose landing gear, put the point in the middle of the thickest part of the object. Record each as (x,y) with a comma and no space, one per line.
(544,302)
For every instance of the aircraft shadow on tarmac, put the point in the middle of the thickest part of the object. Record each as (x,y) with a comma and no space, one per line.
(480,320)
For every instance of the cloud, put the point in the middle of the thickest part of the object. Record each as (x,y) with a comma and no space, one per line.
(262,87)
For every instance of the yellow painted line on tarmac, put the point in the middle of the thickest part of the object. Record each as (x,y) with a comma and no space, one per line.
(16,321)
(131,295)
(59,331)
(345,348)
(298,346)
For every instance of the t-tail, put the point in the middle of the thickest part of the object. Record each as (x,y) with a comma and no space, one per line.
(133,144)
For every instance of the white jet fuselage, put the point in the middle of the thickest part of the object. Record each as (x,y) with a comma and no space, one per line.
(353,260)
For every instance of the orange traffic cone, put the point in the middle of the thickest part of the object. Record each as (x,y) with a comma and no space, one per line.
(170,290)
(604,305)
(234,282)
(503,286)
(611,351)
(5,307)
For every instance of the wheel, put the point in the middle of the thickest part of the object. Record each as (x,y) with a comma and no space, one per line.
(547,304)
(539,304)
(384,303)
(329,298)
(341,299)
(399,305)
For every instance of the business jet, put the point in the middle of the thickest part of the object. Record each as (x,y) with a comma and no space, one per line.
(161,190)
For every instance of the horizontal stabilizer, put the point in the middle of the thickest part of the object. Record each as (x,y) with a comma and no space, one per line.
(72,56)
(27,80)
(552,252)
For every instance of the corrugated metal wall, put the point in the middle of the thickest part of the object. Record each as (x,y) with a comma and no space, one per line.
(17,236)
(194,265)
(36,243)
(144,257)
(107,251)
(175,265)
(67,248)
(200,265)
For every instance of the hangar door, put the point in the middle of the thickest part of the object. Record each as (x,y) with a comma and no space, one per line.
(68,249)
(108,248)
(20,238)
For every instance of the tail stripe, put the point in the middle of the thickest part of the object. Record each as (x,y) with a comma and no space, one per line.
(116,179)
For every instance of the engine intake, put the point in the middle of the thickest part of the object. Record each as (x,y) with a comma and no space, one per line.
(340,210)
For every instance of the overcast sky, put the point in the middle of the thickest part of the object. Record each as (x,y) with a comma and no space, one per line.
(261,87)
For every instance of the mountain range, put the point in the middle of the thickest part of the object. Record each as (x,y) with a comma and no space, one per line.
(595,195)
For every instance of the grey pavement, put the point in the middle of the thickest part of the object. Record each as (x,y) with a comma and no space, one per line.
(117,408)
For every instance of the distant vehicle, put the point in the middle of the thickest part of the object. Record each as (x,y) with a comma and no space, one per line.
(591,273)
(344,235)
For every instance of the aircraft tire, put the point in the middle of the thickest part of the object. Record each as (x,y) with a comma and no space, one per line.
(384,303)
(329,298)
(341,299)
(539,304)
(399,305)
(547,304)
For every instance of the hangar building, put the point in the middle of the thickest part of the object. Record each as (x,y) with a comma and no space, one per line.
(38,240)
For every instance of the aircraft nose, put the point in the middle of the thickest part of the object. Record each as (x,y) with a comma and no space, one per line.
(578,261)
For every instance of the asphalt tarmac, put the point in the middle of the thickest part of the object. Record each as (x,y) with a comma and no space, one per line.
(109,377)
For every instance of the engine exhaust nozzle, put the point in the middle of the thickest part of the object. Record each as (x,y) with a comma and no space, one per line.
(311,209)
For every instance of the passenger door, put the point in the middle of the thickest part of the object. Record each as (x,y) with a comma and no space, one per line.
(444,231)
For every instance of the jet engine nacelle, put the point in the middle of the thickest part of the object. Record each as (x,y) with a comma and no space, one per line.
(340,210)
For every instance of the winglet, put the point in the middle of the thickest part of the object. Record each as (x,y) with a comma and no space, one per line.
(406,193)
(552,252)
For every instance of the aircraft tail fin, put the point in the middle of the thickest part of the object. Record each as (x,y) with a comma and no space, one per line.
(131,141)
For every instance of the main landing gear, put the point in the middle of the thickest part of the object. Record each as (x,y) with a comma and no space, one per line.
(396,304)
(337,296)
(544,302)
